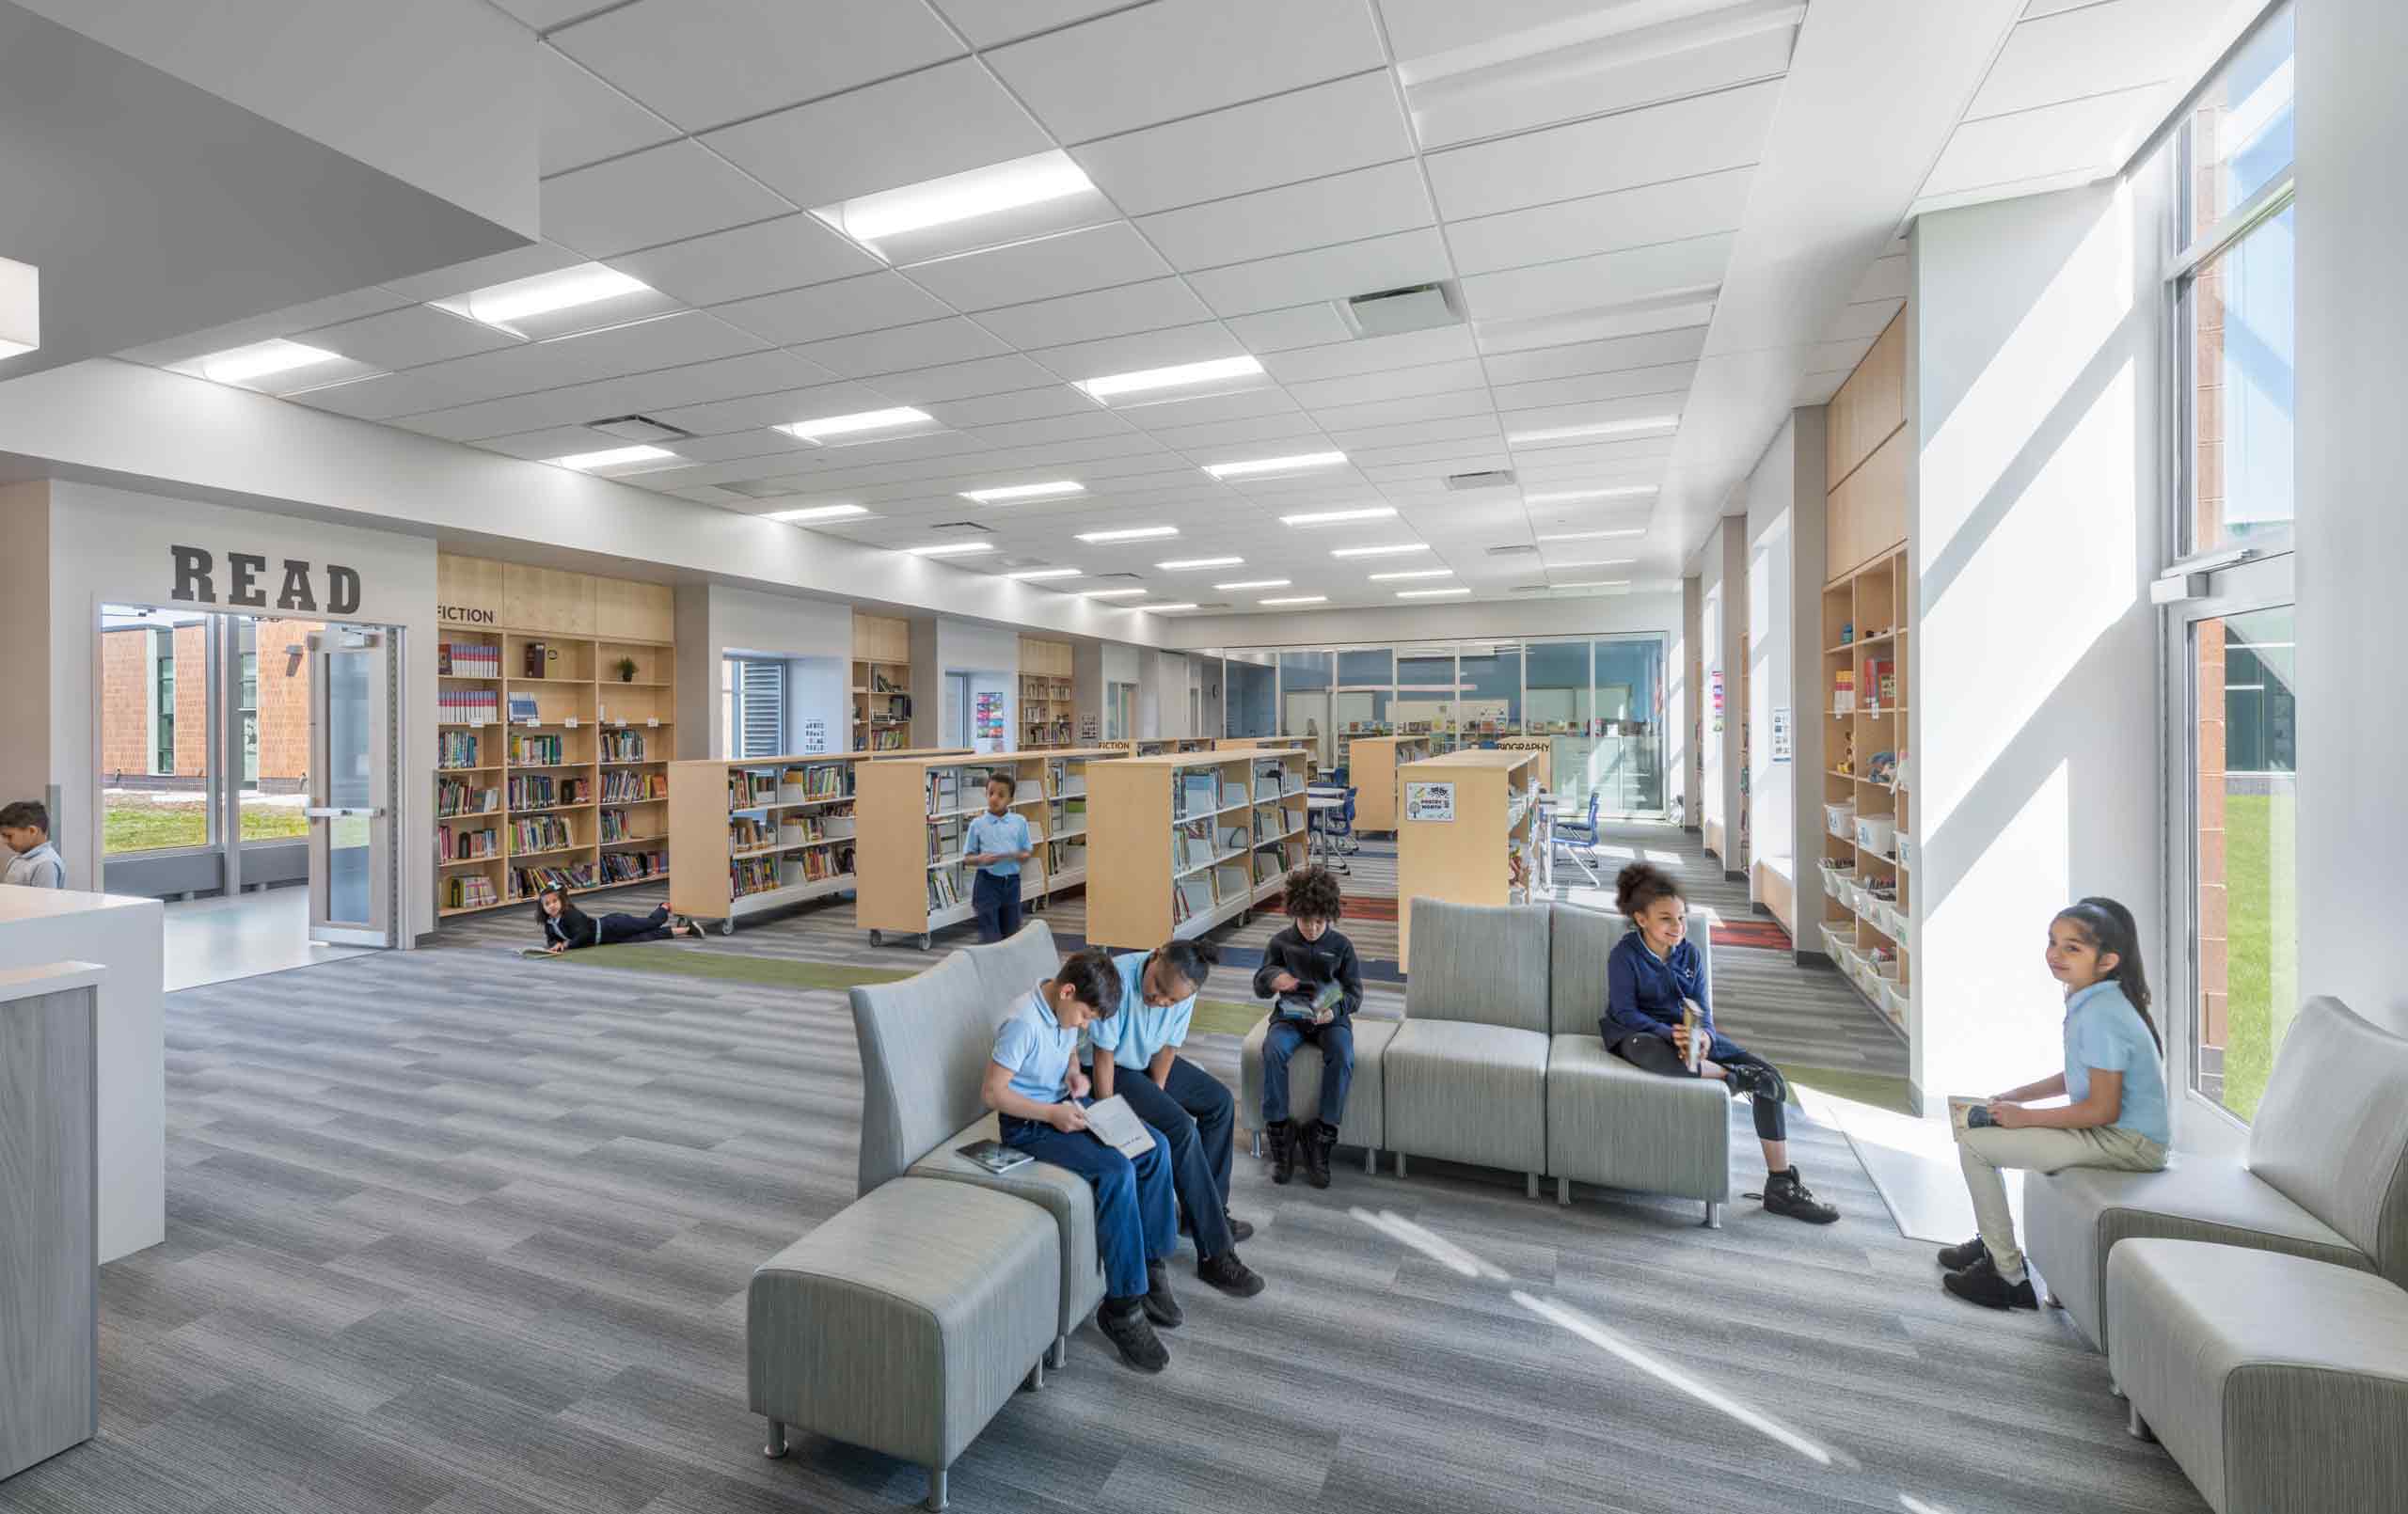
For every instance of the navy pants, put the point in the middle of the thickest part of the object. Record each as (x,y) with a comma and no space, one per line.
(1337,1042)
(614,930)
(1136,1219)
(1654,1053)
(997,901)
(1197,1117)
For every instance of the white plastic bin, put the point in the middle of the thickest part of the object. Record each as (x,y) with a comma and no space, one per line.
(1906,851)
(1897,1001)
(1840,819)
(1837,942)
(1874,832)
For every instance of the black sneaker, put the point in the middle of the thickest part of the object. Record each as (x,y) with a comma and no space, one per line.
(1239,1229)
(1980,1283)
(1159,1306)
(1231,1276)
(1284,1137)
(1747,1080)
(1124,1324)
(1787,1194)
(1957,1258)
(1319,1139)
(694,931)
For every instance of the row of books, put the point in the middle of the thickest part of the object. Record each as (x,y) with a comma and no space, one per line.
(523,708)
(1065,856)
(539,833)
(467,659)
(527,882)
(1200,893)
(752,875)
(456,844)
(542,791)
(623,746)
(537,752)
(454,797)
(944,889)
(617,826)
(469,890)
(619,786)
(633,867)
(1066,777)
(457,749)
(461,705)
(891,739)
(816,781)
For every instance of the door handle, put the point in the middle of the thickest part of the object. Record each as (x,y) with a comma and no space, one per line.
(339,812)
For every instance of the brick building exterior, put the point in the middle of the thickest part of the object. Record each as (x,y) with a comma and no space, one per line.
(140,750)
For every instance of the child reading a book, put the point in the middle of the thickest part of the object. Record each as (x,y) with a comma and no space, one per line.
(1659,1017)
(33,861)
(2115,1084)
(1310,972)
(566,928)
(1033,1083)
(996,844)
(1136,1057)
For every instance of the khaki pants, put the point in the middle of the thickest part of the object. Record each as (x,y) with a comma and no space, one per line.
(2040,1149)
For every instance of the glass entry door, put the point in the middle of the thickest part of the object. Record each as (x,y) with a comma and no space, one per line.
(352,885)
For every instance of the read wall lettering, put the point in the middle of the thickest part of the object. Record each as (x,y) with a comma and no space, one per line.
(247,574)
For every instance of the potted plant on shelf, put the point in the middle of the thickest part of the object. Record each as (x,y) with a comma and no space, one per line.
(626,666)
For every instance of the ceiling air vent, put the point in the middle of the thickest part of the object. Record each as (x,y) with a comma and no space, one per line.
(1528,589)
(638,429)
(1216,604)
(963,526)
(762,488)
(1512,551)
(1130,577)
(1485,479)
(1390,312)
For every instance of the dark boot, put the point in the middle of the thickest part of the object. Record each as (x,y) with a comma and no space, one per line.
(1980,1283)
(1283,1150)
(1787,1194)
(1124,1324)
(1319,1140)
(1957,1258)
(1161,1307)
(1231,1276)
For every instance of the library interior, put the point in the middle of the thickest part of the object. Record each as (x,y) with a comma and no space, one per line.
(1203,754)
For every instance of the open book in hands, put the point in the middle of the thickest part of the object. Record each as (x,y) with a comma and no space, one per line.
(1314,1006)
(1113,1123)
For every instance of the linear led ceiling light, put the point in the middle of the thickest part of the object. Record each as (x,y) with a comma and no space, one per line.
(951,549)
(1416,573)
(1628,491)
(1600,429)
(798,518)
(1183,565)
(1595,536)
(1221,373)
(1014,494)
(1133,533)
(1298,599)
(862,425)
(1015,201)
(1255,467)
(560,303)
(1157,610)
(616,457)
(1430,593)
(1598,583)
(1258,583)
(1030,575)
(1395,550)
(275,367)
(20,308)
(1592,562)
(1331,517)
(1113,593)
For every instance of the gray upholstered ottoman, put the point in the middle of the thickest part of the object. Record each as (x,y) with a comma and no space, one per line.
(2280,1384)
(1365,1122)
(1608,1123)
(903,1323)
(1057,1190)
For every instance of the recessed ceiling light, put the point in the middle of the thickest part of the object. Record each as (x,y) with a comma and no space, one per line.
(1628,491)
(507,305)
(1256,466)
(950,549)
(1394,550)
(1598,583)
(1298,599)
(1183,565)
(1030,575)
(1601,428)
(821,430)
(239,365)
(795,517)
(1113,593)
(961,197)
(1594,562)
(1429,593)
(1331,517)
(1258,583)
(1416,573)
(1157,610)
(616,457)
(1594,536)
(1185,375)
(1133,533)
(1014,492)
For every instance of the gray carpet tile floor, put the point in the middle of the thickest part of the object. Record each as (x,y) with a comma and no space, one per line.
(450,1234)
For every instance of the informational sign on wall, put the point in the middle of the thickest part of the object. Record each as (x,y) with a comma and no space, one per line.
(1428,801)
(1714,683)
(987,721)
(1780,733)
(814,736)
(1090,733)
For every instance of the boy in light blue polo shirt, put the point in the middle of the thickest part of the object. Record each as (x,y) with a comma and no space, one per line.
(1136,1056)
(996,844)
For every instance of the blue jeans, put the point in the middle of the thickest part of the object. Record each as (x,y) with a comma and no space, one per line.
(997,901)
(1196,1118)
(1136,1219)
(1337,1042)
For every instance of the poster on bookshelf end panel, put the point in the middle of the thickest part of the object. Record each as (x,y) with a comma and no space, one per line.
(1429,801)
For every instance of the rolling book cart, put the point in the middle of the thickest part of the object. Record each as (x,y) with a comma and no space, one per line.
(1186,841)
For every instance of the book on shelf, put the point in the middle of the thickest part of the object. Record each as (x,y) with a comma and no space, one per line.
(459,706)
(614,825)
(1190,845)
(455,843)
(945,837)
(1067,857)
(1190,896)
(749,790)
(457,749)
(944,889)
(1232,880)
(454,796)
(1199,794)
(633,867)
(622,745)
(1235,838)
(619,786)
(527,882)
(467,659)
(815,783)
(1232,793)
(537,752)
(469,890)
(1268,865)
(523,707)
(752,875)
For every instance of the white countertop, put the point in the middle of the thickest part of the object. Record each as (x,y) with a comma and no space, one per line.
(49,978)
(19,903)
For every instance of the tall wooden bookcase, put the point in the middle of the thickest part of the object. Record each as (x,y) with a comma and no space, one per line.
(1048,704)
(556,720)
(1372,765)
(1472,849)
(881,684)
(1151,876)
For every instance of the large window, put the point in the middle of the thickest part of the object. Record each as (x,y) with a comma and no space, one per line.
(752,707)
(162,700)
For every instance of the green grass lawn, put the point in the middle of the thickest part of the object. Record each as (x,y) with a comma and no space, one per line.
(2260,973)
(137,825)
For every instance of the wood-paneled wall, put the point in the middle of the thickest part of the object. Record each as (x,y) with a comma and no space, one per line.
(1050,658)
(1869,451)
(880,639)
(476,593)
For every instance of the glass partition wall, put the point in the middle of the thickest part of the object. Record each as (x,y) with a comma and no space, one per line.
(1598,703)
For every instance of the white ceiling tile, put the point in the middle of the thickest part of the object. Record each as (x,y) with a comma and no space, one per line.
(1217,435)
(930,342)
(1410,349)
(2093,133)
(987,23)
(777,407)
(1042,269)
(410,336)
(1300,325)
(1019,405)
(701,62)
(1440,406)
(1666,378)
(1602,279)
(739,446)
(1138,352)
(1886,279)
(1684,345)
(1325,273)
(2091,51)
(1661,142)
(1591,412)
(668,341)
(1394,383)
(1211,407)
(863,303)
(964,380)
(1052,429)
(1444,114)
(1869,318)
(1182,57)
(1331,128)
(1840,356)
(634,394)
(484,272)
(1344,207)
(1357,441)
(1150,305)
(926,125)
(1602,223)
(550,441)
(1438,457)
(663,194)
(1817,389)
(785,253)
(585,119)
(380,399)
(1671,313)
(284,322)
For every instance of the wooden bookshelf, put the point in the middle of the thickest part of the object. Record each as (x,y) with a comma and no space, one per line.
(1168,747)
(881,684)
(1864,682)
(1372,766)
(913,811)
(784,826)
(555,717)
(1147,882)
(1048,704)
(1470,859)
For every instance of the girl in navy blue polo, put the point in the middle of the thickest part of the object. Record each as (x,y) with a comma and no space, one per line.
(1653,969)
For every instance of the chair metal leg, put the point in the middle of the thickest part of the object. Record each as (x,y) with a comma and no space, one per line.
(1258,1146)
(2136,1427)
(1529,1185)
(936,1491)
(1400,1164)
(2115,1389)
(2053,1301)
(1713,1215)
(1371,1160)
(776,1444)
(1564,1193)
(1037,1377)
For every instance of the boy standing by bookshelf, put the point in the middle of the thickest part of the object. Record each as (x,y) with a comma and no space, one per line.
(996,844)
(34,862)
(1315,981)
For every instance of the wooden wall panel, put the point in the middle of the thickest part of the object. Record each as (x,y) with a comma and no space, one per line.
(547,599)
(467,591)
(1870,405)
(880,639)
(634,611)
(1868,512)
(1049,658)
